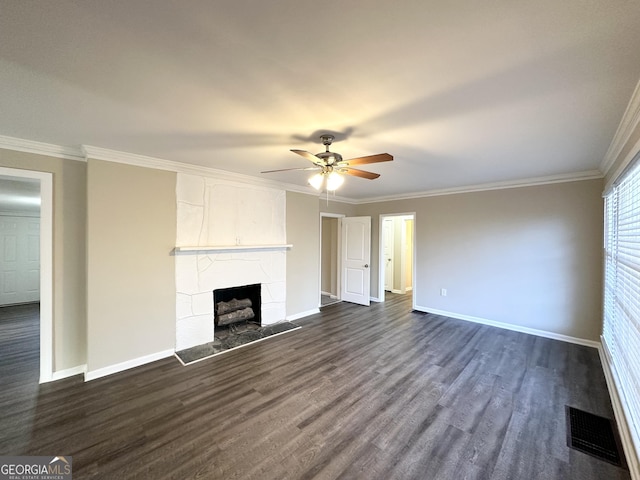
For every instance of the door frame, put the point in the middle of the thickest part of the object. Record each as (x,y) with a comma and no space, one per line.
(339,216)
(381,275)
(46,265)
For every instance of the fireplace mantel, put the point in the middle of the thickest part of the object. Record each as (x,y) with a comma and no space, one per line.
(232,248)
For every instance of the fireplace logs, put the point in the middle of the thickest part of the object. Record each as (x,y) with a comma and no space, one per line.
(232,305)
(234,311)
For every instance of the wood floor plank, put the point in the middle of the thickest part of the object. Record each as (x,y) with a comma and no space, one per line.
(376,392)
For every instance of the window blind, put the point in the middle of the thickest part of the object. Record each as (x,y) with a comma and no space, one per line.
(621,324)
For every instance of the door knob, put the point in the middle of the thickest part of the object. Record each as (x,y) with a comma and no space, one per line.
(366,265)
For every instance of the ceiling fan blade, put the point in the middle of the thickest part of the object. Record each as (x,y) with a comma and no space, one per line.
(309,156)
(359,173)
(288,169)
(381,157)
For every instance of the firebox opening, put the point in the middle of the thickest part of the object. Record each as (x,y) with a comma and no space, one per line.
(237,305)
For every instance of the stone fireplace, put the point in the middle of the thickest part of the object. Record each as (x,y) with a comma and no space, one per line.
(228,235)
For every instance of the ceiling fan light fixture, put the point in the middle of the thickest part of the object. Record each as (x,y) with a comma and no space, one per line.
(334,180)
(332,166)
(316,181)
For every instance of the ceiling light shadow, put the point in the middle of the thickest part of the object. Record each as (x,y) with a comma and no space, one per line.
(519,83)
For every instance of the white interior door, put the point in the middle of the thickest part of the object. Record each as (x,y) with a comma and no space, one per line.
(20,266)
(356,258)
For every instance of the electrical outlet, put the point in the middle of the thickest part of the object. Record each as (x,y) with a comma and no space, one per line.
(443,292)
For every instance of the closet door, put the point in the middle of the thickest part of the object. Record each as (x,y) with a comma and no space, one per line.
(20,260)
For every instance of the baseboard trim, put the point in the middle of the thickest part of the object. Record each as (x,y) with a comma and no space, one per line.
(619,411)
(66,373)
(120,367)
(376,299)
(300,315)
(509,326)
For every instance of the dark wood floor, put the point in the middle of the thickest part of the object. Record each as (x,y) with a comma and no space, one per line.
(361,393)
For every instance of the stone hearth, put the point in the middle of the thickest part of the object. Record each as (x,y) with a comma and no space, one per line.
(228,338)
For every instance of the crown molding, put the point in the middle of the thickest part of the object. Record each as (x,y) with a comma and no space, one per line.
(526,182)
(98,153)
(628,124)
(41,148)
(332,197)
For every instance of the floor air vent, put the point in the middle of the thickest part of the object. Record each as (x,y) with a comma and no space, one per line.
(594,435)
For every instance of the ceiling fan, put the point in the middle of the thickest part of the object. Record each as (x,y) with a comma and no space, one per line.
(331,166)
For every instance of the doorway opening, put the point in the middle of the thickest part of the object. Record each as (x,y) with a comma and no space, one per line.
(329,259)
(397,254)
(18,286)
(345,255)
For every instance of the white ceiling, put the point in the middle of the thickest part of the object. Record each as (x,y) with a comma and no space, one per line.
(460,92)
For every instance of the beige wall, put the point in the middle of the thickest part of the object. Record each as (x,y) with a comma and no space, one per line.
(398,225)
(303,260)
(528,256)
(341,208)
(131,231)
(408,269)
(69,221)
(325,254)
(329,255)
